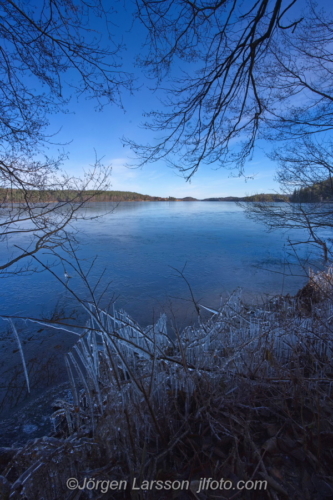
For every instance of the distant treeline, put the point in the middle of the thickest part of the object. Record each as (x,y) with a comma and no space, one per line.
(255,197)
(40,196)
(321,191)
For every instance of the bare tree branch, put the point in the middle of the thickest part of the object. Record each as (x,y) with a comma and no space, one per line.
(41,43)
(264,71)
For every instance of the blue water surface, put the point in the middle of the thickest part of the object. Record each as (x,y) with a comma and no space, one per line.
(139,250)
(141,245)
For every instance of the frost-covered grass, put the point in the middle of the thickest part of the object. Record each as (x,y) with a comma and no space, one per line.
(246,395)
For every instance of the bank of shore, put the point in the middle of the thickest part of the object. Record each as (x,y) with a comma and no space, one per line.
(245,396)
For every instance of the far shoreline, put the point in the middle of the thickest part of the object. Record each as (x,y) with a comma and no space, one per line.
(9,196)
(61,196)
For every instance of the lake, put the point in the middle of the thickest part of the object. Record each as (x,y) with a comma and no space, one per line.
(140,246)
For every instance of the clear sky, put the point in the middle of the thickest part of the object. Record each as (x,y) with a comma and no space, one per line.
(89,130)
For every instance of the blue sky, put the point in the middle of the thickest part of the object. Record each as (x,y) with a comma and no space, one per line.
(89,130)
(101,131)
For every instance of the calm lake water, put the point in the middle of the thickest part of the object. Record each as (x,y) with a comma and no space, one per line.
(139,246)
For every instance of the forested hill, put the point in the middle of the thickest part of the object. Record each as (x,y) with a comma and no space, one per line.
(40,196)
(36,196)
(254,197)
(320,191)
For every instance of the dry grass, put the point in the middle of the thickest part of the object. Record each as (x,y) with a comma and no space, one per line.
(246,395)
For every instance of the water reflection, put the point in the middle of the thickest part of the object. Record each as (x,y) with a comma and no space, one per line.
(140,246)
(139,243)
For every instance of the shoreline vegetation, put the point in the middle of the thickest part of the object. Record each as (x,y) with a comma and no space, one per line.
(316,193)
(49,196)
(245,396)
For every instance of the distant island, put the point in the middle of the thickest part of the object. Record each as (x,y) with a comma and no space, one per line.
(254,197)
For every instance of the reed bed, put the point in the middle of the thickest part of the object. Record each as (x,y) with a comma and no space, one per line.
(243,396)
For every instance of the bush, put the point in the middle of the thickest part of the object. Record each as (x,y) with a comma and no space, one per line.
(244,396)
